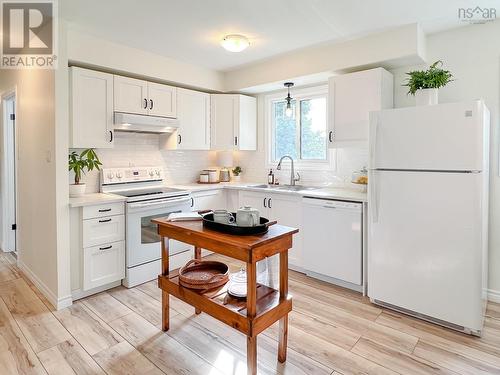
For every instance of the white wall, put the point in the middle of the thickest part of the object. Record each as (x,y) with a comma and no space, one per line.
(473,55)
(36,235)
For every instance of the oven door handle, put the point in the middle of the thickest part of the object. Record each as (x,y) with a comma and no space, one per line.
(159,202)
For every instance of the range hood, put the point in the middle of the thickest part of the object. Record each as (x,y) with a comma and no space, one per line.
(128,122)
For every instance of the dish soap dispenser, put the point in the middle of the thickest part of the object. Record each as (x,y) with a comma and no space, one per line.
(270,178)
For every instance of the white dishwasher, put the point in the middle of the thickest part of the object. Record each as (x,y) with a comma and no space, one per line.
(332,241)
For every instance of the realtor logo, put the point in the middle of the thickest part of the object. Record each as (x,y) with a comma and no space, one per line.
(477,15)
(28,34)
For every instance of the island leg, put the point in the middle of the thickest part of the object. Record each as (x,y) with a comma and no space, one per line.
(251,311)
(165,298)
(283,323)
(197,255)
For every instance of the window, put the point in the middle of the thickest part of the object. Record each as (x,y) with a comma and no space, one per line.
(303,134)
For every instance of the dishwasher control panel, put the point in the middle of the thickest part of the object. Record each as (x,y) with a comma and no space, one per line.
(333,203)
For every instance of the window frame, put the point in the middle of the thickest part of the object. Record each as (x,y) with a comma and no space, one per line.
(297,94)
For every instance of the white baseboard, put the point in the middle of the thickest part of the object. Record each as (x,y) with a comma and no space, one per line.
(58,303)
(494,295)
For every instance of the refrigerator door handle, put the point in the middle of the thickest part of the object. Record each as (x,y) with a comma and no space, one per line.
(373,196)
(373,140)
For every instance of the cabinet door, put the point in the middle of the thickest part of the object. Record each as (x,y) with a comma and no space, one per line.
(193,110)
(245,129)
(131,95)
(162,100)
(352,97)
(256,200)
(103,264)
(209,200)
(286,209)
(91,109)
(223,117)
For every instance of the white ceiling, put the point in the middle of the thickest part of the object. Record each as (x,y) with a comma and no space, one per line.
(190,30)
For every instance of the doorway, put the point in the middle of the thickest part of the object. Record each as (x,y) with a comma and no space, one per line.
(9,174)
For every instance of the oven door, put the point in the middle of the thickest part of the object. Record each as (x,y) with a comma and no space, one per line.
(143,242)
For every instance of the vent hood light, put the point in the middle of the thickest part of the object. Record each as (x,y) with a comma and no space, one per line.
(143,123)
(235,42)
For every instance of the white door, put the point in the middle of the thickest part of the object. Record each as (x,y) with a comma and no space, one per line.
(131,95)
(352,97)
(435,137)
(9,183)
(193,109)
(286,209)
(162,100)
(425,243)
(223,117)
(91,103)
(245,129)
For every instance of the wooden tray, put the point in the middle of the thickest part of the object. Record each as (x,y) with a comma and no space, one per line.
(203,274)
(208,222)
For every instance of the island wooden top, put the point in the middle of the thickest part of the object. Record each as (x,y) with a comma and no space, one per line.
(246,248)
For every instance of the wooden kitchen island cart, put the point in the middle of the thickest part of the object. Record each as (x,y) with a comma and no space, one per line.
(263,305)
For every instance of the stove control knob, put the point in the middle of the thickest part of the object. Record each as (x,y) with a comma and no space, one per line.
(119,174)
(151,173)
(111,175)
(157,172)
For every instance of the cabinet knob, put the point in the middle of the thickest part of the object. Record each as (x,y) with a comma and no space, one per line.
(150,103)
(145,103)
(110,136)
(236,141)
(330,136)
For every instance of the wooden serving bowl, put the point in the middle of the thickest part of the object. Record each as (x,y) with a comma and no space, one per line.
(203,274)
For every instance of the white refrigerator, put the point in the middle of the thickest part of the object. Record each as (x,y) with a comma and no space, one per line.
(428,212)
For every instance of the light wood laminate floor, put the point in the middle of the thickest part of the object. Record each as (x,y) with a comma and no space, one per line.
(332,331)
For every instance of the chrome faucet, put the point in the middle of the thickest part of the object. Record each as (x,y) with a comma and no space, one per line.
(292,172)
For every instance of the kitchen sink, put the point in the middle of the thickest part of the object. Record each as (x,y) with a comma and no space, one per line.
(295,187)
(284,187)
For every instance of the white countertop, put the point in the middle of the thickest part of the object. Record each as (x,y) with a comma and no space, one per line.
(354,195)
(94,198)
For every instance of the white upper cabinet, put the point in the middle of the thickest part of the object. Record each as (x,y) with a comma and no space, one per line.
(233,122)
(351,97)
(193,113)
(144,98)
(162,100)
(91,109)
(131,95)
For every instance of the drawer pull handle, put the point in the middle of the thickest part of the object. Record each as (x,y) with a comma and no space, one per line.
(106,248)
(105,210)
(105,221)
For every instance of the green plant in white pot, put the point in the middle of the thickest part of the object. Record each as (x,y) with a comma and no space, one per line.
(237,174)
(424,84)
(78,163)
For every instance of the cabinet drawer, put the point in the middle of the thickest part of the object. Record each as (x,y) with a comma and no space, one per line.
(107,209)
(103,264)
(103,230)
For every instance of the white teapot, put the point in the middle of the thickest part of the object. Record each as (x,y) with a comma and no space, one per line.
(247,216)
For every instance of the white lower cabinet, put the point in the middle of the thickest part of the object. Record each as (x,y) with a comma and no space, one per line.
(103,264)
(208,200)
(97,245)
(286,209)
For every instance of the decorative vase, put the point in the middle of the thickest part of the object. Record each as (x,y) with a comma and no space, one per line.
(426,97)
(76,190)
(236,178)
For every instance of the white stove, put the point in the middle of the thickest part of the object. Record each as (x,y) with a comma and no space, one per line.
(146,199)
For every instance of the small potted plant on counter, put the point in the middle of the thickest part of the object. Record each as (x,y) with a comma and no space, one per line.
(88,160)
(236,174)
(424,84)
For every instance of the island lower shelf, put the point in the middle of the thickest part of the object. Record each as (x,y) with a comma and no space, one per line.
(230,310)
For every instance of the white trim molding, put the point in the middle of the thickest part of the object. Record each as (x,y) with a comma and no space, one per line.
(58,303)
(494,295)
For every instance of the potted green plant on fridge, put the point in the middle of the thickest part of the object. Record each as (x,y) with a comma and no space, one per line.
(78,163)
(424,84)
(236,174)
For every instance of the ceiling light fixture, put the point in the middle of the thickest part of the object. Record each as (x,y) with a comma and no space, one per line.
(235,42)
(288,110)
